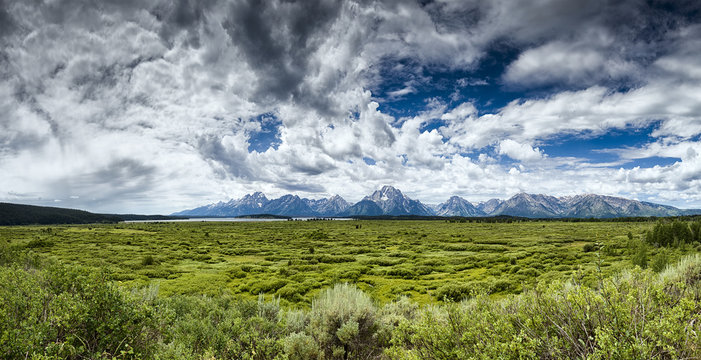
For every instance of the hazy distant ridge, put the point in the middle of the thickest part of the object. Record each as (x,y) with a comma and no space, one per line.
(391,201)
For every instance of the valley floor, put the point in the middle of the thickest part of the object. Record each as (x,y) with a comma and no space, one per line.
(351,289)
(423,260)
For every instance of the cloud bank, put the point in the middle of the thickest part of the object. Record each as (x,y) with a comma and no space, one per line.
(129,106)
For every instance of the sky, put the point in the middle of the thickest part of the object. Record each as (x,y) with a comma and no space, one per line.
(158,106)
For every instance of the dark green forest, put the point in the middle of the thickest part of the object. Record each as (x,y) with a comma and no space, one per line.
(19,214)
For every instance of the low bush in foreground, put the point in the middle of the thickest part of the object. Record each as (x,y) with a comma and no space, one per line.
(54,311)
(49,310)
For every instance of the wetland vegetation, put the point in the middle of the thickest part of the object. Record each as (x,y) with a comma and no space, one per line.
(351,289)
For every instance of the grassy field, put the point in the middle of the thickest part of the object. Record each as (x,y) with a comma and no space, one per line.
(427,261)
(352,290)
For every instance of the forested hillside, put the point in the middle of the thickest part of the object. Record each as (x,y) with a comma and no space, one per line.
(18,214)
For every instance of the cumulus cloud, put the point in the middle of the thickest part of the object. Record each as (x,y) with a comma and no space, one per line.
(521,152)
(153,106)
(571,64)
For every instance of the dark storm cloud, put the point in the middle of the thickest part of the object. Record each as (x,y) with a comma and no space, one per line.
(574,45)
(642,28)
(182,15)
(277,39)
(7,23)
(293,186)
(118,181)
(316,167)
(124,174)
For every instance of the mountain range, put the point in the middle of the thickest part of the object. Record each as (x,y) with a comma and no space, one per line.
(389,201)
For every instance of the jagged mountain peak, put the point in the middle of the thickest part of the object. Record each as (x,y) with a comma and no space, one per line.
(255,195)
(457,206)
(387,192)
(290,197)
(332,206)
(389,188)
(336,197)
(257,198)
(384,194)
(391,201)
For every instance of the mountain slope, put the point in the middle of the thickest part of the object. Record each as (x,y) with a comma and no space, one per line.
(582,206)
(457,206)
(288,205)
(528,205)
(328,207)
(363,208)
(591,205)
(247,205)
(489,206)
(393,202)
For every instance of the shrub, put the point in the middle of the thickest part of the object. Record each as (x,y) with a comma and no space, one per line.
(401,272)
(235,272)
(300,346)
(640,255)
(222,327)
(382,261)
(317,235)
(266,287)
(636,315)
(659,262)
(454,292)
(60,312)
(292,292)
(147,260)
(39,243)
(589,247)
(342,321)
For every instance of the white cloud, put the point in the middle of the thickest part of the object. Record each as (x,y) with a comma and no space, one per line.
(401,92)
(574,64)
(518,151)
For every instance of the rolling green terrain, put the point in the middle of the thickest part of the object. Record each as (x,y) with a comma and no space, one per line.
(427,261)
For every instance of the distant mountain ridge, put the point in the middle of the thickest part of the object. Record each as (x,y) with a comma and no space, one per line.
(258,203)
(389,201)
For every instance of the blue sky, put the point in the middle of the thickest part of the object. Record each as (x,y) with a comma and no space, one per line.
(159,106)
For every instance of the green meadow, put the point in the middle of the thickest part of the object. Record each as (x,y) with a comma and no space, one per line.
(300,290)
(426,261)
